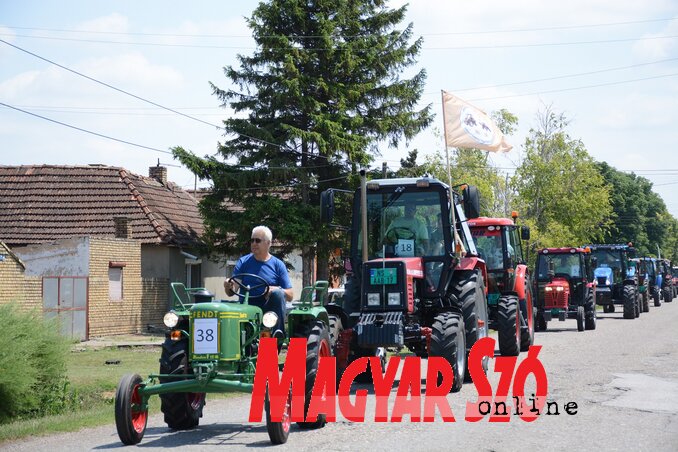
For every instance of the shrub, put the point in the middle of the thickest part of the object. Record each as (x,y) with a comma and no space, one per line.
(33,378)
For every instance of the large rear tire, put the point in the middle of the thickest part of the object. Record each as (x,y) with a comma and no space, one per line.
(527,325)
(317,345)
(629,302)
(130,420)
(182,410)
(668,298)
(580,318)
(656,297)
(646,301)
(508,321)
(449,341)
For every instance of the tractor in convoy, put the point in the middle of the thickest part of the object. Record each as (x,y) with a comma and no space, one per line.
(674,274)
(649,282)
(509,283)
(667,280)
(565,287)
(617,278)
(212,346)
(417,281)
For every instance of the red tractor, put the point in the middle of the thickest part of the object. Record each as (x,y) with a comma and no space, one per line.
(566,287)
(510,304)
(417,281)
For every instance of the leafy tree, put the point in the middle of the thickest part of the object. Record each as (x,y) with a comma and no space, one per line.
(323,87)
(639,214)
(560,191)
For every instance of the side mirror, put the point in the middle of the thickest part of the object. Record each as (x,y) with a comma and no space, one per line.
(471,202)
(327,206)
(525,232)
(594,262)
(551,271)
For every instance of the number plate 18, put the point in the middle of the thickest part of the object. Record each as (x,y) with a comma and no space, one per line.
(205,341)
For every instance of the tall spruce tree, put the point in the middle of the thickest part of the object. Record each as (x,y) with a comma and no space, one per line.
(323,88)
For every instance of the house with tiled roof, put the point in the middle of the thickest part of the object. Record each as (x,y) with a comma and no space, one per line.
(102,242)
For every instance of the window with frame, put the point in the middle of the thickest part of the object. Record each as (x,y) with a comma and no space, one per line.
(115,284)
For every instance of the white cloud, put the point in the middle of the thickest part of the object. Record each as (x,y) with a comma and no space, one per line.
(112,23)
(656,47)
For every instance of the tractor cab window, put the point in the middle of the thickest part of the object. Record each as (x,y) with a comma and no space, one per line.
(513,244)
(610,259)
(404,224)
(564,265)
(489,246)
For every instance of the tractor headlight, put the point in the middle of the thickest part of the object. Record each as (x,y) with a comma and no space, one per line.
(548,289)
(394,299)
(170,319)
(270,319)
(559,289)
(373,299)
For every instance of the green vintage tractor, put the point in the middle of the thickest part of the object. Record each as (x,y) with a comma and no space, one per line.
(211,346)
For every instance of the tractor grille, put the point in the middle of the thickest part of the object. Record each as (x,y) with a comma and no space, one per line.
(602,281)
(555,299)
(380,329)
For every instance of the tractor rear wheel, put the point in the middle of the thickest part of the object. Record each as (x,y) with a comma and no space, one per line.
(317,345)
(182,410)
(508,325)
(130,420)
(629,302)
(336,327)
(655,297)
(449,341)
(667,295)
(527,325)
(590,312)
(646,301)
(580,318)
(639,305)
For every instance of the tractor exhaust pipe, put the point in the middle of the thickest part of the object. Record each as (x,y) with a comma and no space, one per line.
(363,211)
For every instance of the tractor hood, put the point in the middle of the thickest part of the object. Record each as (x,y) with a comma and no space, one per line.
(604,276)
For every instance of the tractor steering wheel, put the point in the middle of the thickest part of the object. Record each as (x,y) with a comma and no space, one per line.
(247,289)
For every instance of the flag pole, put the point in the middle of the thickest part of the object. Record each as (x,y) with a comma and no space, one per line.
(455,237)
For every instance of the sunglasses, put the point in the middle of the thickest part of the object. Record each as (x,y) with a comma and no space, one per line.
(256,240)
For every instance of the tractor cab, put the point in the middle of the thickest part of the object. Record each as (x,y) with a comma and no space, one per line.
(565,287)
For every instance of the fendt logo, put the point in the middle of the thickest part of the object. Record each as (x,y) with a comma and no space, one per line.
(408,400)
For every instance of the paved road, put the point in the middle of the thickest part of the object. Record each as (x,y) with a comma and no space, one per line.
(623,377)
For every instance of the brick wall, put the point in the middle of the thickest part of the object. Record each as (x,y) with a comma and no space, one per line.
(15,287)
(108,317)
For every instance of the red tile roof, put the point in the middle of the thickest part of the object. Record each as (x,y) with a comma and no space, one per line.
(47,202)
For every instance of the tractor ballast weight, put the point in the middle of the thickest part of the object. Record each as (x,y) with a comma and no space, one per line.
(565,287)
(212,346)
(510,301)
(417,280)
(617,278)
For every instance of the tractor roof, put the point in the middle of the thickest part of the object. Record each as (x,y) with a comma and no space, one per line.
(615,246)
(485,221)
(565,250)
(374,183)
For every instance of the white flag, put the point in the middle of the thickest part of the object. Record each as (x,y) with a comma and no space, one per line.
(469,127)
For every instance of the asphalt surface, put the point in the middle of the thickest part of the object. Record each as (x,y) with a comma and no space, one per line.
(622,376)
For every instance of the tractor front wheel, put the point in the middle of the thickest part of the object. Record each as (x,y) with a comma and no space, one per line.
(590,312)
(655,297)
(130,419)
(542,324)
(317,346)
(580,318)
(508,320)
(279,431)
(667,295)
(629,302)
(448,340)
(646,301)
(182,410)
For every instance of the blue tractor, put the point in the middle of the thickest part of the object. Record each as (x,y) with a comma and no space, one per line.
(654,279)
(617,276)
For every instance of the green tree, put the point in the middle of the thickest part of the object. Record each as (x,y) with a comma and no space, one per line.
(639,214)
(321,90)
(561,194)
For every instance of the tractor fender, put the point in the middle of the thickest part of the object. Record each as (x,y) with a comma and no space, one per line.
(298,317)
(629,281)
(474,263)
(336,310)
(520,284)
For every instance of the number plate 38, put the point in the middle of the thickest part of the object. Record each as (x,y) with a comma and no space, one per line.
(205,340)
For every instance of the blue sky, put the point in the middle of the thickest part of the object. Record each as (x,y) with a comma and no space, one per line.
(610,66)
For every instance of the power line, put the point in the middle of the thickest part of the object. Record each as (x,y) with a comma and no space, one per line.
(85,130)
(476,47)
(513,30)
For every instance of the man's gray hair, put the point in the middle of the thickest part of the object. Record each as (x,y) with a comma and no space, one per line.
(265,230)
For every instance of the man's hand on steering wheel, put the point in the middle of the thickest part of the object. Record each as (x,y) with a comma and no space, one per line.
(244,290)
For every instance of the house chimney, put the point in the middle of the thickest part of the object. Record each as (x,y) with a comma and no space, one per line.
(158,173)
(123,228)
